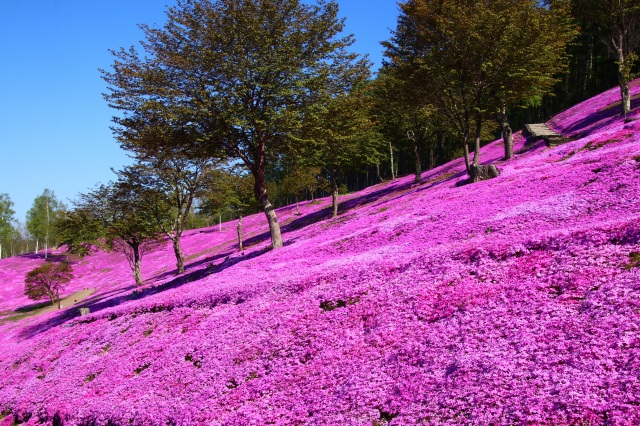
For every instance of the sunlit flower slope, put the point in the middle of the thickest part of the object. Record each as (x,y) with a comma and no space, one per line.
(509,301)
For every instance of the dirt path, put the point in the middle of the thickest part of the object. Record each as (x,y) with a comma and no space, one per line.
(65,303)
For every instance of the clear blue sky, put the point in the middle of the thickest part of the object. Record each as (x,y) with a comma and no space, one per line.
(54,123)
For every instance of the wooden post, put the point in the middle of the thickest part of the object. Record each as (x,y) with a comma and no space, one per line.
(240,233)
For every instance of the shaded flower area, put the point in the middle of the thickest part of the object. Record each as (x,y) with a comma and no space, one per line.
(509,301)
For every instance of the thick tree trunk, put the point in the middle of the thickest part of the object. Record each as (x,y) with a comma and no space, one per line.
(36,246)
(507,134)
(260,192)
(623,76)
(626,98)
(467,161)
(481,172)
(177,249)
(137,274)
(58,298)
(416,155)
(240,233)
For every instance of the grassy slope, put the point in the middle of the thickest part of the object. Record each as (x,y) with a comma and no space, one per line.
(504,301)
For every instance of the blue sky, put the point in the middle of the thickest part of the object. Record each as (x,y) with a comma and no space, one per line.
(54,123)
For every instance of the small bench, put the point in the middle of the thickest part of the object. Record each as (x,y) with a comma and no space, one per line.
(542,131)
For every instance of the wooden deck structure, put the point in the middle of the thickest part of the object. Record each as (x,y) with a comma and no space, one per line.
(542,131)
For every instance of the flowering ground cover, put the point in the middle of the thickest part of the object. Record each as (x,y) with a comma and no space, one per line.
(509,301)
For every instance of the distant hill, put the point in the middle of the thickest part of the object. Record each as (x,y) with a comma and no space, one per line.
(509,301)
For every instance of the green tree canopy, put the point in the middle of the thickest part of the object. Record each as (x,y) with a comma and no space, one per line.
(343,136)
(6,219)
(402,116)
(473,59)
(174,180)
(47,280)
(243,71)
(299,180)
(43,213)
(228,190)
(118,216)
(619,23)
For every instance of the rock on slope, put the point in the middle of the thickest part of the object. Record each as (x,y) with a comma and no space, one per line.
(514,300)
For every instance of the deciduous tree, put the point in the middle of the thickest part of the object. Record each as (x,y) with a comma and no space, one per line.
(300,180)
(246,70)
(343,136)
(120,215)
(40,217)
(174,180)
(402,116)
(6,219)
(619,23)
(472,59)
(47,280)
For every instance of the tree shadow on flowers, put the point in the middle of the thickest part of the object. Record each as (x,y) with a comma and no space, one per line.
(120,296)
(95,303)
(600,119)
(51,257)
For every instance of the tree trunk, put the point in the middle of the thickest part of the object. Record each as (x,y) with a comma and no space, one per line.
(334,200)
(507,134)
(482,172)
(240,233)
(393,176)
(297,209)
(58,297)
(0,250)
(378,178)
(177,249)
(260,192)
(467,161)
(36,246)
(476,153)
(432,157)
(137,274)
(623,80)
(416,155)
(46,237)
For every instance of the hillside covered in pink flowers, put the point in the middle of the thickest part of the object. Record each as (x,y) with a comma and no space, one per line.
(509,301)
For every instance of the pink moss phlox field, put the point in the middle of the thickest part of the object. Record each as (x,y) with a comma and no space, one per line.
(509,301)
